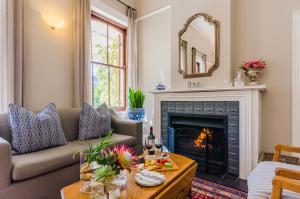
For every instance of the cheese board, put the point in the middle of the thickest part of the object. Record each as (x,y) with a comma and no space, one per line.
(160,165)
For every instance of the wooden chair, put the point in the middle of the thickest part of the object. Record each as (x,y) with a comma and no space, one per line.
(284,178)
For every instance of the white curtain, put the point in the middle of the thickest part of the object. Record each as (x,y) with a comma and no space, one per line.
(82,53)
(132,80)
(13,16)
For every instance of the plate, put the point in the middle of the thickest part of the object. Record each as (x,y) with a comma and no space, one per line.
(149,178)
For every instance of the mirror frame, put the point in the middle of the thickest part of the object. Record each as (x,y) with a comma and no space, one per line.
(216,24)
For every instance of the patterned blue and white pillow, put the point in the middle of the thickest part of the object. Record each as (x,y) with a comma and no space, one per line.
(33,132)
(94,122)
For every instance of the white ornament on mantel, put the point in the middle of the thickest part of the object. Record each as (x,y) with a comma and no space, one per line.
(249,98)
(238,81)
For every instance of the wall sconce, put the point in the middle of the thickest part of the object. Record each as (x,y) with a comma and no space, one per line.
(53,21)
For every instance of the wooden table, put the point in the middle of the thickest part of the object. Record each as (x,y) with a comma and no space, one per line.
(177,185)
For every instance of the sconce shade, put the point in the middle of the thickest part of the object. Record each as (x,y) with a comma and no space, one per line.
(53,21)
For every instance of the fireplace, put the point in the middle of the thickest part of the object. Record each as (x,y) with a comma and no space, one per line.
(241,105)
(187,119)
(202,138)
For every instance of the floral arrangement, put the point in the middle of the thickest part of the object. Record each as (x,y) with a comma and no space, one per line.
(113,161)
(252,69)
(104,163)
(254,65)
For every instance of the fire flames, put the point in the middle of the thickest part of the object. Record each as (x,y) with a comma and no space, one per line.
(204,136)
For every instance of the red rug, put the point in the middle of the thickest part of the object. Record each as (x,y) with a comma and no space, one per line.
(202,189)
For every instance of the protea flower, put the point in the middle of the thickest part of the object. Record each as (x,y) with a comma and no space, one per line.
(125,156)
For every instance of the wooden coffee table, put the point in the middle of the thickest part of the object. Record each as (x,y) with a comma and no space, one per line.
(177,185)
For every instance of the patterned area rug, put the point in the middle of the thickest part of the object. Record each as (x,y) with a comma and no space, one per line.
(202,189)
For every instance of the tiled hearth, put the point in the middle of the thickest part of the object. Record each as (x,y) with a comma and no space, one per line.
(241,106)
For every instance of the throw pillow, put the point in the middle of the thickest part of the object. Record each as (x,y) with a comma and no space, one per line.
(94,122)
(33,132)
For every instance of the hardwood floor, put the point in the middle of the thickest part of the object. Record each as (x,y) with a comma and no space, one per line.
(226,180)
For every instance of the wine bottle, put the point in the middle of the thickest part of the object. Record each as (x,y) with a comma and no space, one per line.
(151,140)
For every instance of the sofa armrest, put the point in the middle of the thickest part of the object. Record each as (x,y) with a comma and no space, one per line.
(280,147)
(288,173)
(280,183)
(127,127)
(5,163)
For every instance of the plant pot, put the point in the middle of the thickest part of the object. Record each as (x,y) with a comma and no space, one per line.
(136,114)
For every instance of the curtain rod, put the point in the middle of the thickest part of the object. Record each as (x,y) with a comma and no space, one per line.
(124,4)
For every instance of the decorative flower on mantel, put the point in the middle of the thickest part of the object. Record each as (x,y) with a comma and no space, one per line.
(254,65)
(252,69)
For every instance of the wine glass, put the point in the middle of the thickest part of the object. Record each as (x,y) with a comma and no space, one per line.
(148,145)
(158,145)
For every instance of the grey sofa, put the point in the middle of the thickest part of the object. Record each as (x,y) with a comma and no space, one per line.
(41,175)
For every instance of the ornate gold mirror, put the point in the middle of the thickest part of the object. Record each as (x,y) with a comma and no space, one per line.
(199,46)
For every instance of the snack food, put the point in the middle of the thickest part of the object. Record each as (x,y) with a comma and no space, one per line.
(158,164)
(152,164)
(168,164)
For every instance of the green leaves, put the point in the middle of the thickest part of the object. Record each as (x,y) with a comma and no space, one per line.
(95,150)
(105,173)
(136,98)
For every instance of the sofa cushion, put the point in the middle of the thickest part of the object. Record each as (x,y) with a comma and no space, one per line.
(4,128)
(33,164)
(116,139)
(94,122)
(34,132)
(260,180)
(70,122)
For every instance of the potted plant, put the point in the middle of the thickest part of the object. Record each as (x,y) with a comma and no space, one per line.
(136,109)
(252,69)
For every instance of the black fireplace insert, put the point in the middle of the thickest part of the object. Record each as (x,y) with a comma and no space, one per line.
(202,138)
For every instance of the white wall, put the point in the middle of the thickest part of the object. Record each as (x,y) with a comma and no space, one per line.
(154,55)
(118,6)
(48,76)
(145,7)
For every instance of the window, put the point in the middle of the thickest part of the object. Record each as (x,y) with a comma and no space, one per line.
(108,62)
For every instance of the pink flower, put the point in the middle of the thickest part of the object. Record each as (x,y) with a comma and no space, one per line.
(125,156)
(254,64)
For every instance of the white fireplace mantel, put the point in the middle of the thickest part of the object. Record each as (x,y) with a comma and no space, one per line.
(249,98)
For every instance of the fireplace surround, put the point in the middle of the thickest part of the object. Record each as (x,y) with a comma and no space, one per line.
(186,120)
(248,121)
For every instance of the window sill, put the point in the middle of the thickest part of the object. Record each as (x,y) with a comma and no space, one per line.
(122,114)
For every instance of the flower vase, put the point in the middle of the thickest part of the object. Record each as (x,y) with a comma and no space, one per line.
(121,179)
(252,74)
(107,190)
(87,168)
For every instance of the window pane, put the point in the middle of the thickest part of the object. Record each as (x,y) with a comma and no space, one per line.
(99,41)
(114,46)
(108,79)
(117,87)
(100,85)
